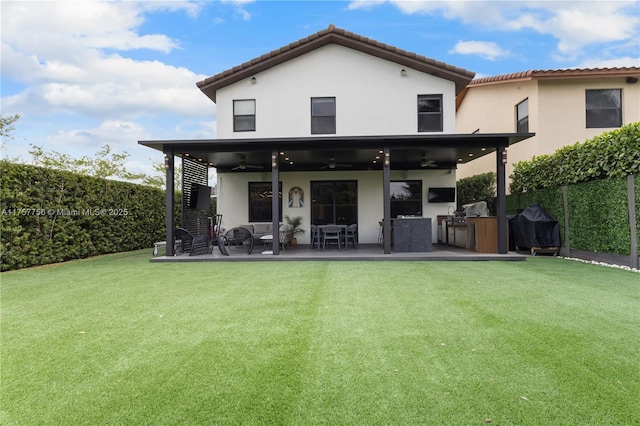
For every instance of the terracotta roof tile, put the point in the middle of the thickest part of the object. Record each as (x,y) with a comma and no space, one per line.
(557,74)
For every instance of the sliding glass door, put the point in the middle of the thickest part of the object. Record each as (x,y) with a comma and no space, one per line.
(334,202)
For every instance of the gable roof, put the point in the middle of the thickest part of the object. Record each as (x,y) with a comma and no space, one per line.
(561,74)
(332,34)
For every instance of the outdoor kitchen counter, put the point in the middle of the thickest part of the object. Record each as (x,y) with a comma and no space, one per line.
(412,234)
(477,233)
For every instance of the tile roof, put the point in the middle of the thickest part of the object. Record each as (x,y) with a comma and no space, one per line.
(558,74)
(332,34)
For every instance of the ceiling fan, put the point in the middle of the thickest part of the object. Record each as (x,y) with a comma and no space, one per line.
(333,165)
(427,163)
(244,166)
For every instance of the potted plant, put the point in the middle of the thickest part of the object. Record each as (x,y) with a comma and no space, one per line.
(295,222)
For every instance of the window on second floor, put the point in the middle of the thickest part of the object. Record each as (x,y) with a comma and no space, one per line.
(522,117)
(604,108)
(429,113)
(244,115)
(323,116)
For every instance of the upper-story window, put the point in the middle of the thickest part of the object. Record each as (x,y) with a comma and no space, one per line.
(323,116)
(522,117)
(244,115)
(429,113)
(604,108)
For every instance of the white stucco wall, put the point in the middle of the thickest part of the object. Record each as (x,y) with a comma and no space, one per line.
(233,197)
(556,115)
(372,97)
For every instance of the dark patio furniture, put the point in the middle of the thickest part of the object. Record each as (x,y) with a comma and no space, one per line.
(240,238)
(192,244)
(222,244)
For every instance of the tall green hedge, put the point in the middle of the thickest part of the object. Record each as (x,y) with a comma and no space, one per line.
(476,188)
(51,216)
(598,213)
(611,154)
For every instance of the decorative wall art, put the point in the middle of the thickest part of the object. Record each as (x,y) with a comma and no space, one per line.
(296,197)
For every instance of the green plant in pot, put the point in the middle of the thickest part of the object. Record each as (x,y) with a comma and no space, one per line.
(294,221)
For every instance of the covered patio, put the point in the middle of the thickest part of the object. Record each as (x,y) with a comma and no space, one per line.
(376,154)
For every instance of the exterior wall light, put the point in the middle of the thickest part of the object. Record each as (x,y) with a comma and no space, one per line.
(253,80)
(504,157)
(403,72)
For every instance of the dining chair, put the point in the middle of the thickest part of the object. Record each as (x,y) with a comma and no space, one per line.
(331,233)
(352,235)
(316,237)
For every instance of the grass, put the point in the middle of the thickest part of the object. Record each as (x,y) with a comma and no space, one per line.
(118,340)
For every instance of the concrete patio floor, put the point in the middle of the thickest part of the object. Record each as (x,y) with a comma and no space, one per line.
(362,253)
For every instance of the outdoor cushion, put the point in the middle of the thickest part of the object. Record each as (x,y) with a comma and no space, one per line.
(261,228)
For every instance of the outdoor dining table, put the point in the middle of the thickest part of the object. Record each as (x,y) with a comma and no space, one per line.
(343,232)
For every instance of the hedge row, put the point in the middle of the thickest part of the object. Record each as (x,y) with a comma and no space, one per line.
(50,216)
(598,213)
(611,154)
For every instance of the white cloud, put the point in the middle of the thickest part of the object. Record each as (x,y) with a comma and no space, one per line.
(485,49)
(58,51)
(575,24)
(239,7)
(109,132)
(621,62)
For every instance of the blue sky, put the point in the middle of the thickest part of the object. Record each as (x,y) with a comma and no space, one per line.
(85,74)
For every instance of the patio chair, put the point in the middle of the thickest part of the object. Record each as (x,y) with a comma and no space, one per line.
(193,244)
(316,237)
(239,238)
(222,244)
(352,235)
(331,233)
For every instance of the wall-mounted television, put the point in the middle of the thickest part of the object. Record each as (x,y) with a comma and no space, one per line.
(441,195)
(200,197)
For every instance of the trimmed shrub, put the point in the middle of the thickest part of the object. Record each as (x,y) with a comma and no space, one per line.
(476,188)
(51,216)
(611,154)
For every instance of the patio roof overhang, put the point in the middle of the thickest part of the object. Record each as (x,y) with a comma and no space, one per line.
(406,152)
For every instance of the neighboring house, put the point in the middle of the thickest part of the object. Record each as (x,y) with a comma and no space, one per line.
(561,107)
(347,129)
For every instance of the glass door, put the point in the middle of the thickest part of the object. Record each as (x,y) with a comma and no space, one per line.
(334,202)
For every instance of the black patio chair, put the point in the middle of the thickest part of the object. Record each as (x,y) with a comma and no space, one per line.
(239,238)
(192,244)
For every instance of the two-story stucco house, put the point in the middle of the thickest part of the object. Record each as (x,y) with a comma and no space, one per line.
(561,107)
(345,129)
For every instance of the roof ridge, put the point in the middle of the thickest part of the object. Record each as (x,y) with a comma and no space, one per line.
(333,34)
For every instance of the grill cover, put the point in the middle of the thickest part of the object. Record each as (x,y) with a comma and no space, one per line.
(534,227)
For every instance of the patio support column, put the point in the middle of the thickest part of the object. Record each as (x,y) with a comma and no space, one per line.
(169,165)
(501,200)
(386,195)
(275,203)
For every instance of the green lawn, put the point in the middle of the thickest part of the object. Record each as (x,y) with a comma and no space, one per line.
(118,340)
